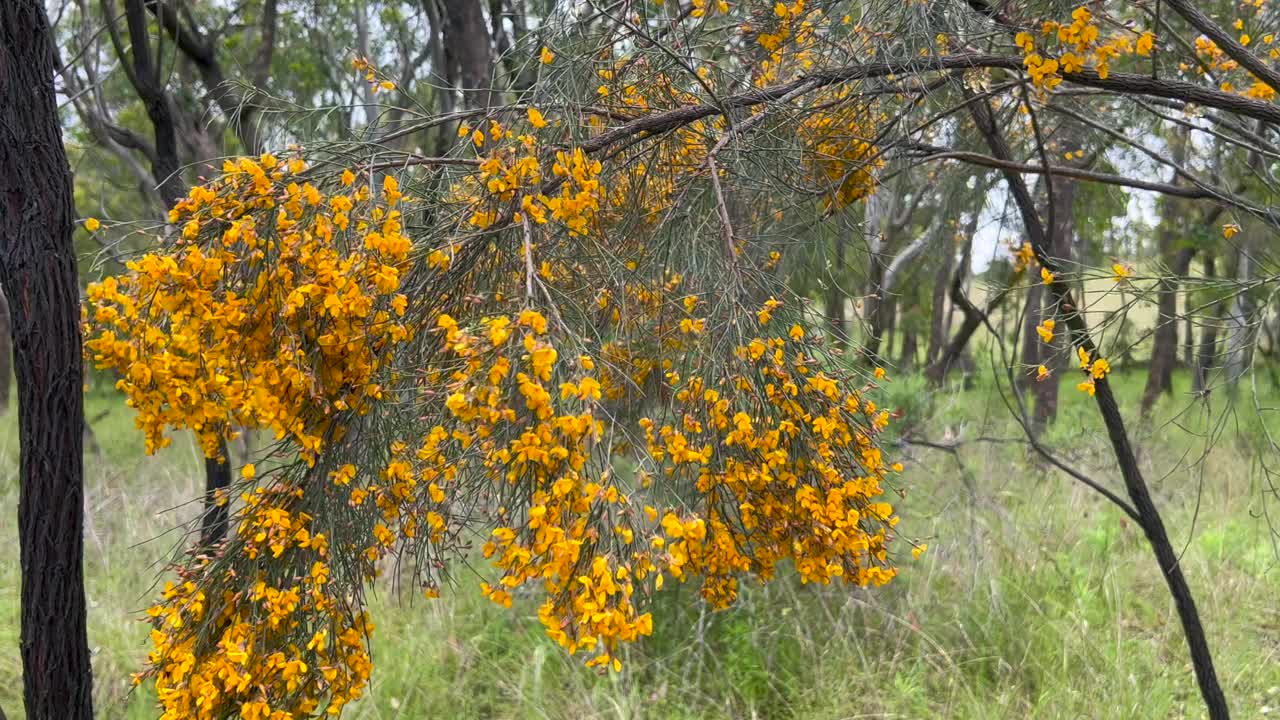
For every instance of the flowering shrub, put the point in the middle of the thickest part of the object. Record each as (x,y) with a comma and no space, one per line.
(518,354)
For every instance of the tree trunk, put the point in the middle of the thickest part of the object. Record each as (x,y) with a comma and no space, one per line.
(1164,349)
(875,224)
(38,270)
(1188,336)
(148,81)
(215,513)
(466,37)
(6,354)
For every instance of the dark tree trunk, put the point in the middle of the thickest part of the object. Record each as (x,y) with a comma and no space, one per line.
(217,478)
(889,320)
(148,81)
(467,39)
(875,310)
(6,355)
(38,270)
(147,77)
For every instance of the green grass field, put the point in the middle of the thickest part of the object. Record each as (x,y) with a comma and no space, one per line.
(1035,598)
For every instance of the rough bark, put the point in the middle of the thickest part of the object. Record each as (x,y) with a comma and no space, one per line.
(6,354)
(38,270)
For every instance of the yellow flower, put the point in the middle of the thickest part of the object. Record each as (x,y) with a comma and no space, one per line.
(1042,372)
(1046,276)
(1100,368)
(1121,272)
(1228,230)
(536,119)
(797,333)
(880,375)
(1045,330)
(546,56)
(92,224)
(1087,387)
(348,177)
(918,550)
(248,471)
(1145,43)
(1084,358)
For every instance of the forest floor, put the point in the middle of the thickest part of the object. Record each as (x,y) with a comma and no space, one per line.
(1035,599)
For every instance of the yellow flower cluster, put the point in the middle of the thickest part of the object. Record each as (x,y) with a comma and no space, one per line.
(614,444)
(838,148)
(796,479)
(509,186)
(1217,61)
(282,644)
(275,308)
(1078,46)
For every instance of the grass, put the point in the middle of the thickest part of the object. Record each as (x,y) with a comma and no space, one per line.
(1035,599)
